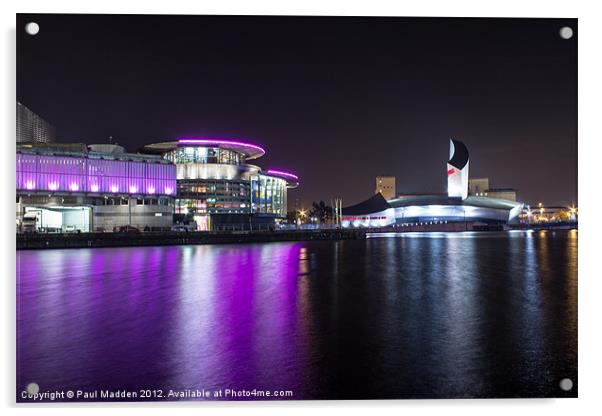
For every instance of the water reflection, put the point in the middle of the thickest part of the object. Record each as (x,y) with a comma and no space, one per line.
(408,315)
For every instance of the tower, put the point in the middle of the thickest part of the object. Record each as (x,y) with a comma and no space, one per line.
(457,170)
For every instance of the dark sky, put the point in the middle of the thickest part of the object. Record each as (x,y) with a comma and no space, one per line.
(338,100)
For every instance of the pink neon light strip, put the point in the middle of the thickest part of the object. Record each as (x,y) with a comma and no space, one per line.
(280,173)
(218,142)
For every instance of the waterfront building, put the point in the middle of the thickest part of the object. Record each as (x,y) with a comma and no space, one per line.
(455,206)
(385,185)
(220,189)
(73,187)
(33,128)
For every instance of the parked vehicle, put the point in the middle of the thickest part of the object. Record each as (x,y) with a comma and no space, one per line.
(29,223)
(185,227)
(128,229)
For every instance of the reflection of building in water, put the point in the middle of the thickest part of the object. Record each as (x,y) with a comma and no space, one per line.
(455,206)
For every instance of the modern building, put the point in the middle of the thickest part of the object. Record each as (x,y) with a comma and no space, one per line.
(32,128)
(385,185)
(455,206)
(478,186)
(74,187)
(220,189)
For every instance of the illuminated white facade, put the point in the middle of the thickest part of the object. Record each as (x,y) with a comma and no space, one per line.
(456,206)
(457,170)
(372,220)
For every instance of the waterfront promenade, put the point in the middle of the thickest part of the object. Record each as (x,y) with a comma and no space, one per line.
(85,240)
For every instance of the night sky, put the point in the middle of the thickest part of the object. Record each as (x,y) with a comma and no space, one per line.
(336,100)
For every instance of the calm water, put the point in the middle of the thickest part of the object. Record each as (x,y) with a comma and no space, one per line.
(401,316)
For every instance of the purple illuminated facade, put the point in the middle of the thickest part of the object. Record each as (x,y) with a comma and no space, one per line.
(36,172)
(100,187)
(65,187)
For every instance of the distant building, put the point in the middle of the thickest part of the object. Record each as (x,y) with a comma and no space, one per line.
(501,193)
(478,186)
(385,185)
(33,128)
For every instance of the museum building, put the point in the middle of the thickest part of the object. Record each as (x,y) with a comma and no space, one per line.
(419,209)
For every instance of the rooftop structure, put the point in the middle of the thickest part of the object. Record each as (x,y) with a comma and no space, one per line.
(32,128)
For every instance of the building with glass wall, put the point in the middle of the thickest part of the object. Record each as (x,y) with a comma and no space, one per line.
(32,128)
(220,189)
(74,187)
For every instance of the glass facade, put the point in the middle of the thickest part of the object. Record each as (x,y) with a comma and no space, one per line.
(214,180)
(262,194)
(204,155)
(213,197)
(268,195)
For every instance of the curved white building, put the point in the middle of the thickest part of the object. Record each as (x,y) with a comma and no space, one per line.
(456,206)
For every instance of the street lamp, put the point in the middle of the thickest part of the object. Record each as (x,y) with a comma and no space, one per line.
(573,212)
(300,214)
